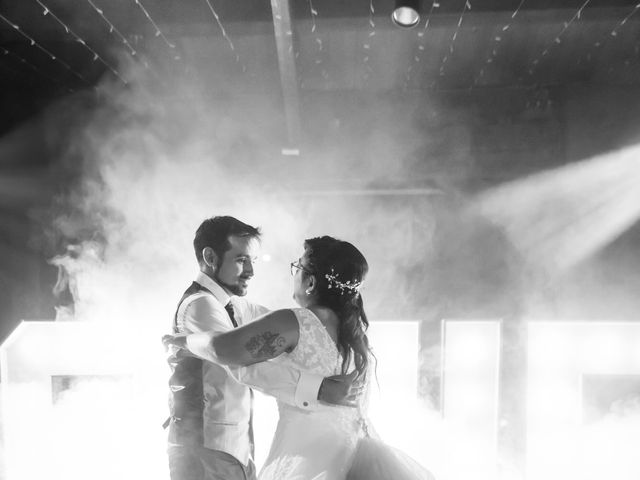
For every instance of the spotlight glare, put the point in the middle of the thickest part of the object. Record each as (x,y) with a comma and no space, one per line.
(406,14)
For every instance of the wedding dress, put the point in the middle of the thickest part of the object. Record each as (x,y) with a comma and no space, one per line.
(332,442)
(319,444)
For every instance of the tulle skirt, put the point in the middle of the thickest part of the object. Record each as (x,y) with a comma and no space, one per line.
(375,460)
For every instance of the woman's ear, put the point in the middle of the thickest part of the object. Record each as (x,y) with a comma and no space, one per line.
(209,257)
(311,285)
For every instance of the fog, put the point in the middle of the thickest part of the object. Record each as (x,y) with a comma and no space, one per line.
(136,168)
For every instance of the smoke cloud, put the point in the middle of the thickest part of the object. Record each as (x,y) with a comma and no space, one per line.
(139,167)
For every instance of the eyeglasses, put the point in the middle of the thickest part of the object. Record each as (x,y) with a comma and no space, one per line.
(298,266)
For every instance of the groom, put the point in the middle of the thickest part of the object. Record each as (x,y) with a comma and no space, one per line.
(210,427)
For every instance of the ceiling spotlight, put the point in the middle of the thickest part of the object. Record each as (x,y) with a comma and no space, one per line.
(406,14)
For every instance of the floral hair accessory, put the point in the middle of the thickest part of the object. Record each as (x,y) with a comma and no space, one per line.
(350,286)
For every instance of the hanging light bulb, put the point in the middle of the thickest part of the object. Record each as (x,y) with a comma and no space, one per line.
(406,13)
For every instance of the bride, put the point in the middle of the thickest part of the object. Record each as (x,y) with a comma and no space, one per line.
(326,336)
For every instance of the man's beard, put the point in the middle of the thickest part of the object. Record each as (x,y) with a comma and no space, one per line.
(233,289)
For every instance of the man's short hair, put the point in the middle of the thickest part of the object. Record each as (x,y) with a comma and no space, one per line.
(214,232)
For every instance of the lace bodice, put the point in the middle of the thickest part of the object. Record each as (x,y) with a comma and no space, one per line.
(316,351)
(317,443)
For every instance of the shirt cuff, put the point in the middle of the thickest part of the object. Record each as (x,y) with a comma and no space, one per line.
(306,395)
(200,344)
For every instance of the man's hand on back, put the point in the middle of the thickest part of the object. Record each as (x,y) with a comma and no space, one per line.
(341,390)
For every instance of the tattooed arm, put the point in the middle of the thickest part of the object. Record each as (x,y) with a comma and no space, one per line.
(267,337)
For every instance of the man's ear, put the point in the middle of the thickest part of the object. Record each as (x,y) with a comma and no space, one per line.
(209,257)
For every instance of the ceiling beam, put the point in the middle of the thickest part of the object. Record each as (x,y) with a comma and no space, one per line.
(288,76)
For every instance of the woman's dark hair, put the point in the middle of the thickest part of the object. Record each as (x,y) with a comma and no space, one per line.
(339,268)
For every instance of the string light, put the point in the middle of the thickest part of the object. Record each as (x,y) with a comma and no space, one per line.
(467,6)
(318,40)
(114,31)
(557,39)
(314,14)
(496,42)
(367,45)
(158,31)
(35,44)
(20,59)
(224,34)
(96,56)
(613,33)
(417,57)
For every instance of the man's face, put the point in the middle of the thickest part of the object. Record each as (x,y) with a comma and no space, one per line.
(235,269)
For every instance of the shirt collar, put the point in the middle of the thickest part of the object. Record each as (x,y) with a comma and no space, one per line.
(207,282)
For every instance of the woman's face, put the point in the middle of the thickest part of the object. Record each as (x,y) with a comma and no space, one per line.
(301,281)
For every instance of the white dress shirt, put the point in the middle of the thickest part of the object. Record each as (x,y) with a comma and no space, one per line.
(226,396)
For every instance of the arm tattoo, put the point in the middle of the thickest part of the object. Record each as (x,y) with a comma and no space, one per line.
(266,345)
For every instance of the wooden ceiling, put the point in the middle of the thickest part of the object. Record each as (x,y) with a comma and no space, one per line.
(49,48)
